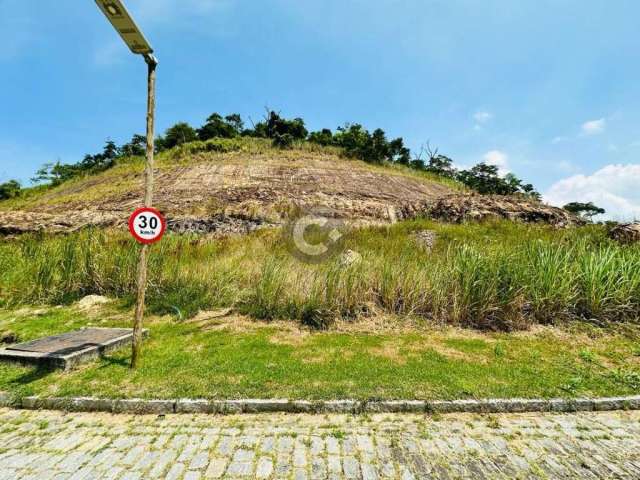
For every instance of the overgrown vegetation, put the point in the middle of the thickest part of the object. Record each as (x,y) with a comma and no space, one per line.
(352,139)
(498,276)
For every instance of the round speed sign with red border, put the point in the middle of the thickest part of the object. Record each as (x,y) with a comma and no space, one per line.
(147,225)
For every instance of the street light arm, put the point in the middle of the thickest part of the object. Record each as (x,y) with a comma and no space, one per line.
(151,59)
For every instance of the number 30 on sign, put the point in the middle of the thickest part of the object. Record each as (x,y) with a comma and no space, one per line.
(147,225)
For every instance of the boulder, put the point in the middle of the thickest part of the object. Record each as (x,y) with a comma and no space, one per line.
(626,233)
(458,208)
(91,301)
(426,239)
(349,257)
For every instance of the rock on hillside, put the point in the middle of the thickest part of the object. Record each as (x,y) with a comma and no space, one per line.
(241,191)
(626,233)
(458,208)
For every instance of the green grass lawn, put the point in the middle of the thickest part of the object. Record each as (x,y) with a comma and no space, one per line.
(242,358)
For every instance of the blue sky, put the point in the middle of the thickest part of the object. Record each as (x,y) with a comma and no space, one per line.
(546,89)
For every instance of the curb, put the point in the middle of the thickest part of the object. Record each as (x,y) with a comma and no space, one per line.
(223,407)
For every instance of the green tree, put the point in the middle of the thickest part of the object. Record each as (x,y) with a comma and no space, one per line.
(235,120)
(274,125)
(398,152)
(441,165)
(137,147)
(218,127)
(56,173)
(485,179)
(176,135)
(586,210)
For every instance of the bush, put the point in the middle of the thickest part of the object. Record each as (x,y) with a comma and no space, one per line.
(323,137)
(10,189)
(283,141)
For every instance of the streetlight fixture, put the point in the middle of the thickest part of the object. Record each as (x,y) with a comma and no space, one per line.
(117,14)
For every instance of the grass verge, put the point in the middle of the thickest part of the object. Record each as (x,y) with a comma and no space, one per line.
(235,357)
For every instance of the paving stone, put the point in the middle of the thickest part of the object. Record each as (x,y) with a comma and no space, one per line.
(192,475)
(264,468)
(239,469)
(589,445)
(318,468)
(350,467)
(200,461)
(176,471)
(334,464)
(300,474)
(216,468)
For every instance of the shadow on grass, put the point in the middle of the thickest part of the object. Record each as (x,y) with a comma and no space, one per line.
(34,374)
(38,372)
(107,361)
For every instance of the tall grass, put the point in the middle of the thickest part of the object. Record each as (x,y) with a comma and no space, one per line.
(494,275)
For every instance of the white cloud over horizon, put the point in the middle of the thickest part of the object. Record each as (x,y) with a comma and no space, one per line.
(498,159)
(594,127)
(613,187)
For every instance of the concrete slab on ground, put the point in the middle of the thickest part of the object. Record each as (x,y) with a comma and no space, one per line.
(68,349)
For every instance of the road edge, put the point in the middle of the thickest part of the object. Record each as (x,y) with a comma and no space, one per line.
(159,407)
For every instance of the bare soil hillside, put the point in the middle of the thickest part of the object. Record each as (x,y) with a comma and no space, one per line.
(243,190)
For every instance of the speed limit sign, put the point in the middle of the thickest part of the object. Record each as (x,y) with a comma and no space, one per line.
(147,225)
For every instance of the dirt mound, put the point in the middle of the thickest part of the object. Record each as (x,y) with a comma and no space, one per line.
(240,192)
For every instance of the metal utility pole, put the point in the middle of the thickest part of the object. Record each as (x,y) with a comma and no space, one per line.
(119,17)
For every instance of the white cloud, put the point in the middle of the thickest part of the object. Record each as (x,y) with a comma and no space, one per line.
(594,127)
(559,139)
(482,117)
(614,188)
(499,159)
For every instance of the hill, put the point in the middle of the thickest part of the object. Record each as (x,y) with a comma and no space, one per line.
(237,185)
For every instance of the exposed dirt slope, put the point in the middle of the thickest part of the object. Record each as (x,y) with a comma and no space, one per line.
(240,191)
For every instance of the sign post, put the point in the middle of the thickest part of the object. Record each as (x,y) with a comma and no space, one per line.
(119,17)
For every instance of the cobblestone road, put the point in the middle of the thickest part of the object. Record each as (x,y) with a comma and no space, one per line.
(52,445)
